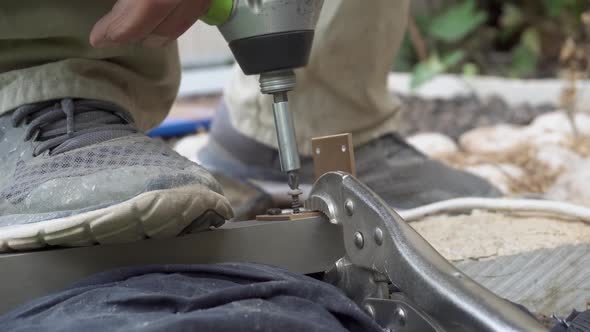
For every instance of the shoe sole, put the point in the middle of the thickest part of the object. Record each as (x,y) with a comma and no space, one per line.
(156,214)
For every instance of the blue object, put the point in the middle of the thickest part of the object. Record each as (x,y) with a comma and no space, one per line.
(179,127)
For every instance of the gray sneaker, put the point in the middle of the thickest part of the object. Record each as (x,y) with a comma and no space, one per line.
(402,176)
(77,173)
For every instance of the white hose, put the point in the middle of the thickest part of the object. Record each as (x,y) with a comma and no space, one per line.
(568,210)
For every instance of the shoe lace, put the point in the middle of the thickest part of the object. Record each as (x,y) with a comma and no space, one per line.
(68,124)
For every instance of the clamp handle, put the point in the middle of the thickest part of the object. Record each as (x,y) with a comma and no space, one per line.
(378,239)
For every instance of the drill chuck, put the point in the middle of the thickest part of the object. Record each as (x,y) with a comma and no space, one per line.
(267,35)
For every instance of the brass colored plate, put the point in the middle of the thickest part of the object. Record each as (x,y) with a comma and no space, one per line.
(288,217)
(333,153)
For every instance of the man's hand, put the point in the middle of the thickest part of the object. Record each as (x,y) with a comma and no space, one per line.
(154,23)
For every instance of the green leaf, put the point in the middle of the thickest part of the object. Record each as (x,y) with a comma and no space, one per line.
(525,56)
(451,60)
(470,70)
(530,39)
(457,22)
(434,66)
(405,58)
(554,7)
(512,16)
(425,71)
(524,62)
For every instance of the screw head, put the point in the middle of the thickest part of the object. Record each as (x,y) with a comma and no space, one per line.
(318,151)
(378,236)
(349,207)
(370,310)
(399,316)
(359,240)
(274,212)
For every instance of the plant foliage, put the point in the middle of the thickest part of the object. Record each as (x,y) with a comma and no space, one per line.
(514,38)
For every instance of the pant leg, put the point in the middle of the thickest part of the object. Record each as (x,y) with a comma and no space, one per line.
(45,54)
(344,87)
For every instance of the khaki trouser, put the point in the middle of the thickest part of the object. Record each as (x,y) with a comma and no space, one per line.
(44,54)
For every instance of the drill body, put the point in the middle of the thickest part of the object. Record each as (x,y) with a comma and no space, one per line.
(271,38)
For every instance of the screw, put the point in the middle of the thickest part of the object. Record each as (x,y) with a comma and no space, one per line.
(344,148)
(295,202)
(370,310)
(359,240)
(317,151)
(378,236)
(349,206)
(399,316)
(274,212)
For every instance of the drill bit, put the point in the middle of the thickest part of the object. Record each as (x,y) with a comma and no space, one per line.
(288,150)
(295,192)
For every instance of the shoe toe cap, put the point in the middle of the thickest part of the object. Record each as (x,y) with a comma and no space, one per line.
(106,188)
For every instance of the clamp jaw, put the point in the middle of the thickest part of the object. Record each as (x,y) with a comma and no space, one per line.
(402,281)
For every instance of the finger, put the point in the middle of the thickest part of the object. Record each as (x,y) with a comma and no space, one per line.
(177,22)
(131,21)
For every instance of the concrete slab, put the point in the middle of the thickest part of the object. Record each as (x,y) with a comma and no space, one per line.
(546,281)
(484,235)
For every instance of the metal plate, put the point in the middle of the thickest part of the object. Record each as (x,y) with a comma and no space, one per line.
(288,216)
(333,153)
(306,246)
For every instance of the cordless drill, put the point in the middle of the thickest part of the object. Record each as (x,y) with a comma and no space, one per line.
(271,38)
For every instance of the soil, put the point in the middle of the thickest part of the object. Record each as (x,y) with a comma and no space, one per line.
(537,177)
(547,321)
(581,146)
(459,115)
(456,116)
(494,234)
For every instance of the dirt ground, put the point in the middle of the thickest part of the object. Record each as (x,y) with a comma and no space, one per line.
(537,176)
(456,116)
(485,235)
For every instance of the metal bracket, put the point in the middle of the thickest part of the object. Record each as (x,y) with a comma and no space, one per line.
(378,239)
(333,153)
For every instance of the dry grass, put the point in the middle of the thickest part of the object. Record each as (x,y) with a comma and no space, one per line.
(581,146)
(537,179)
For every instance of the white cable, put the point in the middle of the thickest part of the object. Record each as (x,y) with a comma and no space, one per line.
(498,204)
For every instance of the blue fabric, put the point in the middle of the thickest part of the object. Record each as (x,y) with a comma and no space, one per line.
(179,127)
(225,297)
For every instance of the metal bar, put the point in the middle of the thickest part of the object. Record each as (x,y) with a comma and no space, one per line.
(304,246)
